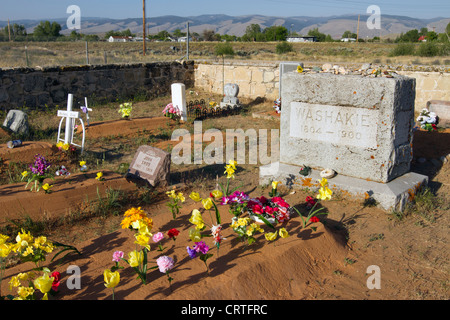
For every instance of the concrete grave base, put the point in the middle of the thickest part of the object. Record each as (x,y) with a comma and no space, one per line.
(393,195)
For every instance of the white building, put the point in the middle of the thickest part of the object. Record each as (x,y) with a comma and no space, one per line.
(118,39)
(301,39)
(348,40)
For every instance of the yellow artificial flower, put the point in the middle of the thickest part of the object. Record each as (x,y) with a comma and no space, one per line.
(195,196)
(217,194)
(5,250)
(65,146)
(47,187)
(275,184)
(44,284)
(324,193)
(197,219)
(299,69)
(256,227)
(111,278)
(136,214)
(181,197)
(82,163)
(207,203)
(24,292)
(270,236)
(283,233)
(24,174)
(142,227)
(23,240)
(323,182)
(135,258)
(171,194)
(232,164)
(3,239)
(229,171)
(243,222)
(195,235)
(99,176)
(142,240)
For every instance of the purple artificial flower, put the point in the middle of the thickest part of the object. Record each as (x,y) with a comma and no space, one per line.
(192,253)
(201,247)
(224,201)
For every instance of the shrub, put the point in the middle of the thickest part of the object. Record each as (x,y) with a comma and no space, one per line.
(224,49)
(403,49)
(284,47)
(428,49)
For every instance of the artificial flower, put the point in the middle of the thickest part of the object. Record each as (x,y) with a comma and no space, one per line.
(117,255)
(82,163)
(217,194)
(47,187)
(24,174)
(172,233)
(191,252)
(201,247)
(165,263)
(324,193)
(195,235)
(197,219)
(299,69)
(207,203)
(195,196)
(56,280)
(158,237)
(44,284)
(142,240)
(99,176)
(283,233)
(24,292)
(314,219)
(275,184)
(270,236)
(111,278)
(135,258)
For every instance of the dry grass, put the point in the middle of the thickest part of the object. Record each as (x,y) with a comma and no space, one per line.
(15,54)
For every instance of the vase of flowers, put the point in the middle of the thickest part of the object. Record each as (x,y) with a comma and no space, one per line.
(263,210)
(427,120)
(39,170)
(171,111)
(125,110)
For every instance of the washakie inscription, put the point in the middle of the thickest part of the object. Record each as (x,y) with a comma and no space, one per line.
(334,124)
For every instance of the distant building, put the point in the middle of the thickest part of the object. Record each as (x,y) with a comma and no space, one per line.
(423,38)
(301,39)
(184,39)
(348,40)
(119,39)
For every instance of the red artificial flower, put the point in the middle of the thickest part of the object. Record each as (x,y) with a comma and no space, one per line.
(262,199)
(172,233)
(310,201)
(56,281)
(257,209)
(434,126)
(314,219)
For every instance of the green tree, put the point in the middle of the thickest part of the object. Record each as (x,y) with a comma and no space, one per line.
(276,33)
(48,30)
(224,49)
(316,33)
(349,34)
(252,32)
(410,36)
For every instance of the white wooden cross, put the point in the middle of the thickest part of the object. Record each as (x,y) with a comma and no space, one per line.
(86,110)
(70,117)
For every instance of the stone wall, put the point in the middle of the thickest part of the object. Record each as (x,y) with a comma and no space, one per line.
(262,79)
(255,79)
(36,87)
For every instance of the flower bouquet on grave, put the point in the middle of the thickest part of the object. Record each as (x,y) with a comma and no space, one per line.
(125,109)
(268,211)
(172,112)
(428,120)
(277,105)
(39,170)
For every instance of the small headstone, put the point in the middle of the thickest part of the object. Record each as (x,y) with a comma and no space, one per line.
(442,110)
(231,90)
(151,164)
(17,121)
(179,99)
(287,67)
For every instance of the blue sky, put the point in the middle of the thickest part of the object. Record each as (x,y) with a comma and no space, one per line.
(48,9)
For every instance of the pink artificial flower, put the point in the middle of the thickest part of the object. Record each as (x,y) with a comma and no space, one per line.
(158,237)
(117,255)
(165,263)
(257,209)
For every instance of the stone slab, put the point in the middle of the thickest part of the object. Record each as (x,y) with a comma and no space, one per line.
(358,126)
(393,195)
(151,164)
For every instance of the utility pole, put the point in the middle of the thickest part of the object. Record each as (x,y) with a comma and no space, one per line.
(9,31)
(187,42)
(143,22)
(357,30)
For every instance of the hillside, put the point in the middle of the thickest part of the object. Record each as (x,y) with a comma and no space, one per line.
(236,25)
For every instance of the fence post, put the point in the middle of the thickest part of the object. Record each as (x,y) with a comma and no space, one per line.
(87,53)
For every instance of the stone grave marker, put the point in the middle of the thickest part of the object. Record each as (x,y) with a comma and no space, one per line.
(231,91)
(16,121)
(179,99)
(442,110)
(287,66)
(151,164)
(360,127)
